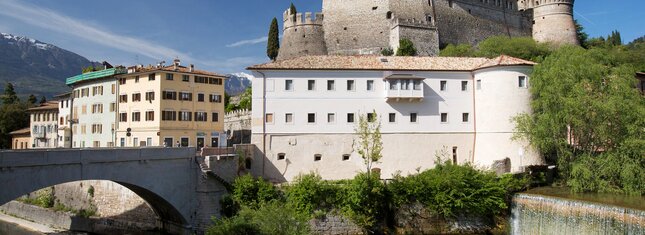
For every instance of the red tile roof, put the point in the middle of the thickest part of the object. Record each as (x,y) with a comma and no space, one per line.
(49,105)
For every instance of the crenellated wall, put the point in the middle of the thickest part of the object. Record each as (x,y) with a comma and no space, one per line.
(423,35)
(302,36)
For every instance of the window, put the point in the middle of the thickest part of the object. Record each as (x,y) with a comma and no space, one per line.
(201,117)
(170,76)
(200,79)
(97,128)
(169,95)
(521,81)
(392,117)
(121,81)
(113,89)
(215,117)
(136,79)
(444,117)
(311,85)
(288,118)
(370,85)
(123,117)
(464,85)
(135,142)
(216,81)
(150,96)
(83,110)
(200,97)
(371,117)
(346,157)
(331,117)
(150,115)
(184,141)
(350,85)
(168,116)
(185,78)
(123,99)
(330,85)
(281,156)
(149,141)
(479,84)
(311,118)
(417,85)
(405,85)
(394,85)
(317,157)
(167,142)
(454,155)
(136,97)
(112,107)
(465,117)
(122,142)
(136,116)
(288,85)
(151,77)
(413,117)
(185,116)
(268,118)
(215,98)
(350,118)
(443,85)
(185,96)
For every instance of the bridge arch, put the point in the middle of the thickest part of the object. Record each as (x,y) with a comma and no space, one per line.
(163,177)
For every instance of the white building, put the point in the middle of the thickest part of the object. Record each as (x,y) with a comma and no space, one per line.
(94,108)
(64,118)
(43,125)
(305,111)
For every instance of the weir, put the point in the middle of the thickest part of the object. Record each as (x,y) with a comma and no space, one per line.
(542,214)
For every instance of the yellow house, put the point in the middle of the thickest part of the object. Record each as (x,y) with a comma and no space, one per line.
(20,139)
(170,106)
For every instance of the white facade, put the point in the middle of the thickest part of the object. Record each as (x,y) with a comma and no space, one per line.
(64,117)
(43,125)
(307,126)
(94,113)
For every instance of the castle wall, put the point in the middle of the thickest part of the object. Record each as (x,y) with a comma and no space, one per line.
(470,21)
(356,27)
(422,34)
(302,36)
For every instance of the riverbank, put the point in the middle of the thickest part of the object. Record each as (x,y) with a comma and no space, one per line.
(13,225)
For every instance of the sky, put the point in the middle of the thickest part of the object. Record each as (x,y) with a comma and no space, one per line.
(216,35)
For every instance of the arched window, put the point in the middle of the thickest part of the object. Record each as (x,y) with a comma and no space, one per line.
(388,15)
(247,163)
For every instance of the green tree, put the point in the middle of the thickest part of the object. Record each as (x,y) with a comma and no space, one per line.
(520,47)
(9,96)
(406,48)
(12,117)
(273,42)
(387,52)
(586,112)
(582,36)
(246,98)
(369,144)
(461,50)
(42,100)
(32,99)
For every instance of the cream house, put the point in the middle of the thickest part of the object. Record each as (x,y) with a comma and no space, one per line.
(170,106)
(44,125)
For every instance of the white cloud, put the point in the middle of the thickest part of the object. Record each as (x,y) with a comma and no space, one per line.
(248,42)
(52,20)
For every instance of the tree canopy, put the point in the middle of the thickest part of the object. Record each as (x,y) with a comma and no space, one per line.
(520,47)
(273,41)
(406,48)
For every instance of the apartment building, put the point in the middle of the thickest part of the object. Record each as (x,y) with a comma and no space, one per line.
(169,106)
(64,118)
(93,108)
(306,110)
(43,125)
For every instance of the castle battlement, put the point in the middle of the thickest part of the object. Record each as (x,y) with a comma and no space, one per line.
(531,4)
(411,23)
(298,20)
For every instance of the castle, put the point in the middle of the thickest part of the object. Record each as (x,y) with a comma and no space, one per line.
(368,26)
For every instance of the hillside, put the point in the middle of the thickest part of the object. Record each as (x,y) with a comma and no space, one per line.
(35,67)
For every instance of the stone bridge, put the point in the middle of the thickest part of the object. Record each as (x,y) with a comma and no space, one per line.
(169,179)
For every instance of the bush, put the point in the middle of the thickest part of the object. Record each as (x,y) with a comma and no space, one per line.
(270,218)
(251,192)
(229,206)
(365,200)
(450,190)
(309,193)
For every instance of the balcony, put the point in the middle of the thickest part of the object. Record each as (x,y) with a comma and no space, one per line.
(404,88)
(39,135)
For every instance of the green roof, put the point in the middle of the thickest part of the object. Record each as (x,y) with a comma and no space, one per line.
(95,75)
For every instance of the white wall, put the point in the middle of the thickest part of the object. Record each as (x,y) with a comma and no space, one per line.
(106,118)
(64,112)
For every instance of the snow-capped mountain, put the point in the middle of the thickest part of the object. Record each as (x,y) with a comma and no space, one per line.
(36,67)
(237,83)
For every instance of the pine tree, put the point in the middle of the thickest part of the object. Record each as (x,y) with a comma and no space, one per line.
(9,96)
(582,36)
(273,42)
(406,48)
(32,99)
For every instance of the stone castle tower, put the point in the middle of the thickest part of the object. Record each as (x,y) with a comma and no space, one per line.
(552,20)
(354,27)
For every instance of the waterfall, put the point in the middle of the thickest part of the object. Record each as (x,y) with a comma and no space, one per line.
(540,214)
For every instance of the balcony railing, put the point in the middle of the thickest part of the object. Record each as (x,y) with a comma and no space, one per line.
(404,87)
(405,95)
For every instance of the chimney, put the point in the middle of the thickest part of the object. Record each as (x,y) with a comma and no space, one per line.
(176,63)
(192,68)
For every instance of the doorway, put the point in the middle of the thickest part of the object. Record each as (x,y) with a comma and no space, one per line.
(200,142)
(214,142)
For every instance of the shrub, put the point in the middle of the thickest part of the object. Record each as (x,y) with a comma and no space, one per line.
(229,206)
(251,192)
(365,200)
(269,218)
(309,193)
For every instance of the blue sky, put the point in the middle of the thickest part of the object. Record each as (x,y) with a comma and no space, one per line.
(217,35)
